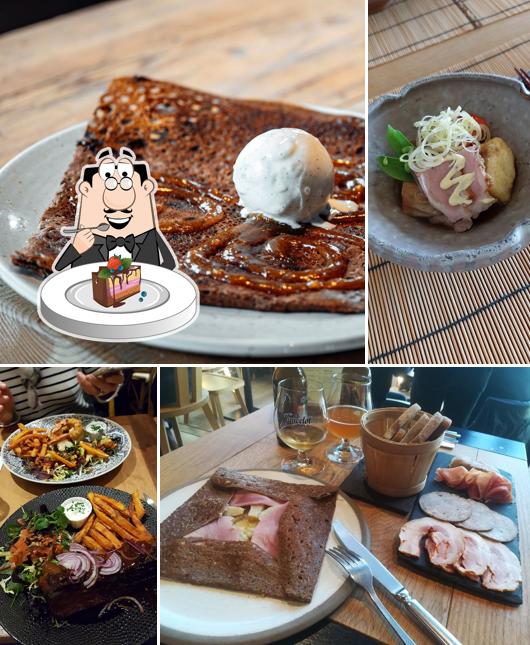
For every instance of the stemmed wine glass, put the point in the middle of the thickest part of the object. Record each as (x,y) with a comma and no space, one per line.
(299,419)
(348,399)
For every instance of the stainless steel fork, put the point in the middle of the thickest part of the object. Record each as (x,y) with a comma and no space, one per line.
(361,574)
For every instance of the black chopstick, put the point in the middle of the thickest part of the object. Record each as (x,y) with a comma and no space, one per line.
(524,76)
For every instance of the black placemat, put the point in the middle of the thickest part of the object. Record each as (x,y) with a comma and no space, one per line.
(422,564)
(355,486)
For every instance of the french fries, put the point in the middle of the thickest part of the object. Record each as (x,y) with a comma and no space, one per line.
(104,544)
(91,544)
(93,451)
(137,504)
(57,457)
(111,522)
(78,537)
(111,537)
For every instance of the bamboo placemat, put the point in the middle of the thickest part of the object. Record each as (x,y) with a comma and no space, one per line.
(470,317)
(411,25)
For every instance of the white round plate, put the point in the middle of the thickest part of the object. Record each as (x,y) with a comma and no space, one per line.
(195,614)
(17,465)
(28,184)
(67,305)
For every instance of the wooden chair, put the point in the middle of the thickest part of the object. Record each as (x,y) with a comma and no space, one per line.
(139,391)
(216,383)
(189,396)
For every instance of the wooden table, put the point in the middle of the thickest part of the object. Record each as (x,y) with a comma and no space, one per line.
(396,73)
(137,472)
(251,443)
(53,73)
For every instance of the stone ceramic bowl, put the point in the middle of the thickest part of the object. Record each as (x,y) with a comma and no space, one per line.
(496,234)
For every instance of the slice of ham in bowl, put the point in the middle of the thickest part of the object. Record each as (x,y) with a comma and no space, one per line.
(459,216)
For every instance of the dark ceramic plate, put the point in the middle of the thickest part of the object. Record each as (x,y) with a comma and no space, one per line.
(122,628)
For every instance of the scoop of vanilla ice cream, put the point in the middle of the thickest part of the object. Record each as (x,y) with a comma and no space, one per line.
(284,174)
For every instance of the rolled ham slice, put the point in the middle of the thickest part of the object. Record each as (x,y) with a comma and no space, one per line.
(479,485)
(444,543)
(265,534)
(220,529)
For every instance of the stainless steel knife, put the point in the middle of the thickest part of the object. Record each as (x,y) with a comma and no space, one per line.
(383,576)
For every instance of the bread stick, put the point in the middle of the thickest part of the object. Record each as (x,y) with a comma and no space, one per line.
(428,429)
(401,421)
(416,428)
(444,425)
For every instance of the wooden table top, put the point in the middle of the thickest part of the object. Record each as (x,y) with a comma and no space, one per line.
(137,472)
(400,71)
(251,443)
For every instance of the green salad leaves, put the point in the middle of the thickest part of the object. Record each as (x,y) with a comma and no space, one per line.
(393,166)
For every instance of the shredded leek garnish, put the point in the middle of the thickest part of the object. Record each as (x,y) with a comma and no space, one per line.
(442,135)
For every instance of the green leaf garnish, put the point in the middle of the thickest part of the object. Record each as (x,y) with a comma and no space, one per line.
(126,263)
(104,273)
(399,143)
(395,168)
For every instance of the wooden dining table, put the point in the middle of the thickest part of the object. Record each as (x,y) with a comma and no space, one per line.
(137,472)
(250,443)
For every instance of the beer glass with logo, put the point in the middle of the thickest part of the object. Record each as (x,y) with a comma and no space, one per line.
(300,418)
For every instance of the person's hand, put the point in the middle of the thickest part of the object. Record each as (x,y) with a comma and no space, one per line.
(83,241)
(100,385)
(7,405)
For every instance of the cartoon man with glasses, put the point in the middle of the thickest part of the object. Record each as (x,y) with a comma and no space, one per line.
(116,215)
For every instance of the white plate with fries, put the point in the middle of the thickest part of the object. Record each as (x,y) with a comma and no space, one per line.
(32,452)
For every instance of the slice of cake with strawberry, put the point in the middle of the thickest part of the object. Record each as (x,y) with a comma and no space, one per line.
(116,281)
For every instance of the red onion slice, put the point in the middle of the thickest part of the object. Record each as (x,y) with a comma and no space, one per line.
(80,561)
(111,566)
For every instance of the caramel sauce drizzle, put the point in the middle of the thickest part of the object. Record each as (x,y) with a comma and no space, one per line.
(262,255)
(208,201)
(249,256)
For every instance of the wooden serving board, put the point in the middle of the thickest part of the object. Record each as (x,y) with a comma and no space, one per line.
(422,564)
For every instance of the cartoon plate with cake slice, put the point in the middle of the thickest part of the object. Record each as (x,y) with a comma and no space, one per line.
(117,279)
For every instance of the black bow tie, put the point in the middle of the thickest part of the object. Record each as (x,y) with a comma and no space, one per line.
(127,242)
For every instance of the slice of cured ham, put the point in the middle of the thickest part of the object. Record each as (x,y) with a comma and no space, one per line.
(479,485)
(444,541)
(252,499)
(464,552)
(445,546)
(265,534)
(475,557)
(504,569)
(220,529)
(460,215)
